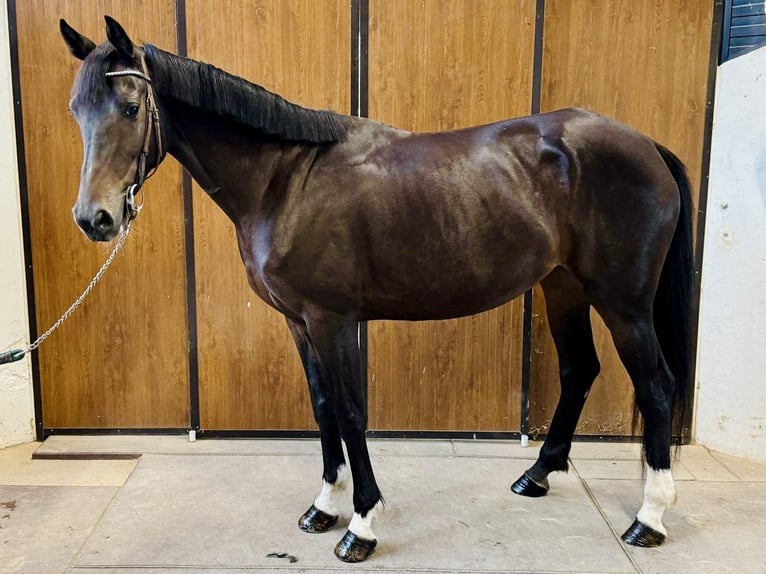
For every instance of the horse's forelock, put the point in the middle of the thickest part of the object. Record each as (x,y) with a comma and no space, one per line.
(91,83)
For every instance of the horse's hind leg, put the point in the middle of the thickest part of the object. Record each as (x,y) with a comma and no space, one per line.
(336,342)
(639,349)
(569,320)
(323,513)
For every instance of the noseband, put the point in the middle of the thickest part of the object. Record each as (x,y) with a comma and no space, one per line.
(152,125)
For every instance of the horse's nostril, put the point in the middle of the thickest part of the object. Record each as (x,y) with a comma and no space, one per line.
(103,222)
(83,223)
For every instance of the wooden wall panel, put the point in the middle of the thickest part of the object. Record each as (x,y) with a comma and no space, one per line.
(646,64)
(121,360)
(437,65)
(250,372)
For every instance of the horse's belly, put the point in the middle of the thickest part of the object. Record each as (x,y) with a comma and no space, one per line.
(439,290)
(416,310)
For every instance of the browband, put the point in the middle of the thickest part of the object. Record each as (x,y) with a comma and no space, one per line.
(136,73)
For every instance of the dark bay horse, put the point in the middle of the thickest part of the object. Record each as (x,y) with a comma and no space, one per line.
(342,219)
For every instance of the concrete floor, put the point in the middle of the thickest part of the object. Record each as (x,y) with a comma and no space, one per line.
(224,505)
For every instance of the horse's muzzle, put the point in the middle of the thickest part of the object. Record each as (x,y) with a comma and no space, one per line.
(100,227)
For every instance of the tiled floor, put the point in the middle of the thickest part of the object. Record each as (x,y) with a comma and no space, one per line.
(224,505)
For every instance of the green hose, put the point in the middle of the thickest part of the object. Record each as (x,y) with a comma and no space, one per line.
(12,356)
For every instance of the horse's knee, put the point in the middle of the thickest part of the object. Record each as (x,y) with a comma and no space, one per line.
(353,424)
(322,405)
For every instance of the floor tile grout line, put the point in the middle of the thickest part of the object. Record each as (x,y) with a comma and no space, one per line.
(722,463)
(73,563)
(716,460)
(384,454)
(454,448)
(600,510)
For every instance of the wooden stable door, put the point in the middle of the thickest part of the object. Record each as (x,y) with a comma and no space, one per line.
(250,374)
(645,64)
(173,337)
(438,66)
(120,361)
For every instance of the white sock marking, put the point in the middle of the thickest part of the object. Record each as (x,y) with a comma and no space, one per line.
(328,498)
(659,493)
(362,527)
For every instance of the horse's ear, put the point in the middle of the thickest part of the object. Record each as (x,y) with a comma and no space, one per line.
(79,45)
(118,38)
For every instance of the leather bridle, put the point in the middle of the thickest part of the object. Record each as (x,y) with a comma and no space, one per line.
(152,126)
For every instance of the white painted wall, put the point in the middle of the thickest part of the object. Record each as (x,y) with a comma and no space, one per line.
(16,407)
(731,368)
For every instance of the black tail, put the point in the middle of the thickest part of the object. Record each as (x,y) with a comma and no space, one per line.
(672,303)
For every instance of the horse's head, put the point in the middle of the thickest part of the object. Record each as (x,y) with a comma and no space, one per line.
(113,103)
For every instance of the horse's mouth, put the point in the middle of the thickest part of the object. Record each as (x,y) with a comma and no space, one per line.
(106,237)
(101,235)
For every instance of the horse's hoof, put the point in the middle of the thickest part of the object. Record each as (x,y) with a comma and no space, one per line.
(525,486)
(352,548)
(315,520)
(642,535)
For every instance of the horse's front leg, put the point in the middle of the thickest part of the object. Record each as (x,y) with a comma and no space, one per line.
(336,342)
(323,513)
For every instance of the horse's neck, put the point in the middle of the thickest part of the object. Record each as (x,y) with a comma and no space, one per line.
(230,163)
(184,147)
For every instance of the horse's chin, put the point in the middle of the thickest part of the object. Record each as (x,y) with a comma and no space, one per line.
(102,236)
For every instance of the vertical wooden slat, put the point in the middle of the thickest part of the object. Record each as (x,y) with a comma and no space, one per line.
(646,64)
(250,372)
(437,65)
(121,360)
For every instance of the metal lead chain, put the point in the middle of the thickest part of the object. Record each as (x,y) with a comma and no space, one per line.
(88,289)
(18,354)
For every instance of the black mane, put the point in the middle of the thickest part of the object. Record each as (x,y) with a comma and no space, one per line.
(204,86)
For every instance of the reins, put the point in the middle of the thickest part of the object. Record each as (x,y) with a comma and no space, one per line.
(131,208)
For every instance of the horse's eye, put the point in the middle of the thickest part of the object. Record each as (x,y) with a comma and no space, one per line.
(131,111)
